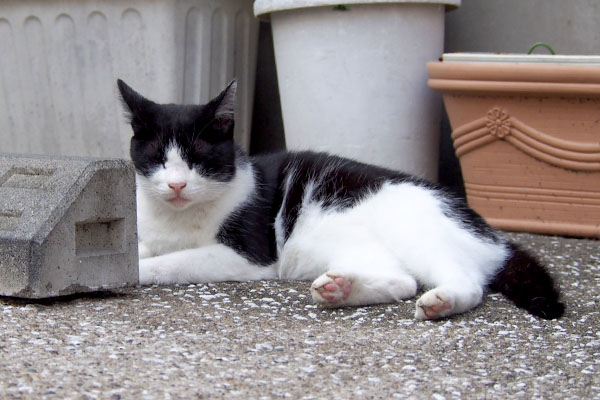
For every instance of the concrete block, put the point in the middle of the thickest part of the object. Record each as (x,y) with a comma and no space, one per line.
(67,225)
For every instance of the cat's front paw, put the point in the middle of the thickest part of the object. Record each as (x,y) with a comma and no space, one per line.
(331,289)
(434,304)
(149,271)
(144,251)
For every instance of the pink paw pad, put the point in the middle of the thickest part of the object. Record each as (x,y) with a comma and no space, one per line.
(434,311)
(434,304)
(336,290)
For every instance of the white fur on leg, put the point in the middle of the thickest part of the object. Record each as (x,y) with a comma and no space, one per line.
(447,300)
(342,288)
(144,251)
(215,263)
(341,246)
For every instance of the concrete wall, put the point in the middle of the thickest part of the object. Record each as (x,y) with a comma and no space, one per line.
(570,26)
(59,62)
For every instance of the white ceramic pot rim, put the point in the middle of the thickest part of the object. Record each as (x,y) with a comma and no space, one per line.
(265,7)
(521,58)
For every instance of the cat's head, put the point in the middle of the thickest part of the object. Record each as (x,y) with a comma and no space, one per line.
(183,154)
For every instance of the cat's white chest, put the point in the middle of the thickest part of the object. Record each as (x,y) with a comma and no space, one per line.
(162,231)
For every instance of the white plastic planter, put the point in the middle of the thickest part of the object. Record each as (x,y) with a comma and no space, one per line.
(353,82)
(60,60)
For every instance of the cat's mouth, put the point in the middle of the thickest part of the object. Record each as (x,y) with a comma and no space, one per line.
(178,202)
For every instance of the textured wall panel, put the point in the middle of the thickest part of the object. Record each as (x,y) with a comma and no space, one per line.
(60,61)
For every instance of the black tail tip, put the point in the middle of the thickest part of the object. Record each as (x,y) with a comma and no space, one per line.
(546,309)
(526,282)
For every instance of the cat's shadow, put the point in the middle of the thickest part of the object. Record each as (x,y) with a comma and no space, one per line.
(65,299)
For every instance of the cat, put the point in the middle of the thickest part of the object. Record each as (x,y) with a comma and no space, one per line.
(365,235)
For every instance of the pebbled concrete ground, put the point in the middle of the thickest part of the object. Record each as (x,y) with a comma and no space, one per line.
(267,340)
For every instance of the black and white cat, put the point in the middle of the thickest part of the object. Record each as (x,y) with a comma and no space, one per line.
(207,212)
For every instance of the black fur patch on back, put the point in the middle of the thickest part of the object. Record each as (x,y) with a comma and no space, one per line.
(337,182)
(458,210)
(250,230)
(341,183)
(282,180)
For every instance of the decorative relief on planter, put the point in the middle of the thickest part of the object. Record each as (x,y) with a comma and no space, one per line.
(499,125)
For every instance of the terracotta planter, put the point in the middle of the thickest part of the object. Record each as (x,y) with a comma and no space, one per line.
(528,139)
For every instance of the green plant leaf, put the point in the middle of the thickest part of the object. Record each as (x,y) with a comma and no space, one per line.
(541,44)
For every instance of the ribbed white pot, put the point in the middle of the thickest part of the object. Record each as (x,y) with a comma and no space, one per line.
(353,81)
(60,60)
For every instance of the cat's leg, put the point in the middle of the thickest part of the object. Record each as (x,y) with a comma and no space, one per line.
(144,250)
(346,259)
(214,263)
(338,288)
(364,275)
(448,297)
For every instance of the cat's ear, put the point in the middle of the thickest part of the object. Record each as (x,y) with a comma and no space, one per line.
(138,106)
(224,114)
(226,107)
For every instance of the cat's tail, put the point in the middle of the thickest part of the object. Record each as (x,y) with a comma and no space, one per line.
(527,283)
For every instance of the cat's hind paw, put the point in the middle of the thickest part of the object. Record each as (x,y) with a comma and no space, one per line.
(433,304)
(331,289)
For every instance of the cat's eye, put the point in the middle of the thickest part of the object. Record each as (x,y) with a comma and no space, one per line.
(143,133)
(152,149)
(200,146)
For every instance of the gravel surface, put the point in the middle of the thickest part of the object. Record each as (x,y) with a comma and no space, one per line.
(268,340)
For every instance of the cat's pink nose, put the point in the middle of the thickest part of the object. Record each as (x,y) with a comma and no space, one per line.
(177,187)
